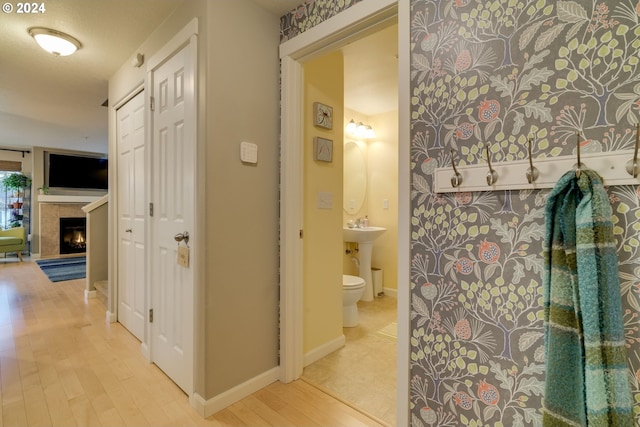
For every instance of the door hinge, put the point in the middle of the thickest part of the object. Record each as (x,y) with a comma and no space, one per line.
(301,234)
(150,209)
(152,103)
(151,315)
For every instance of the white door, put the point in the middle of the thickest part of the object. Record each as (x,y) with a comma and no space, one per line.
(173,156)
(131,215)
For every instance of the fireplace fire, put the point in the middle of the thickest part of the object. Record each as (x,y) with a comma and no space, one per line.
(73,232)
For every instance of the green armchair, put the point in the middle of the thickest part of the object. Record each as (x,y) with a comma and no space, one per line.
(13,240)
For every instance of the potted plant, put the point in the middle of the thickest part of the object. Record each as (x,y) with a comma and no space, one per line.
(16,182)
(43,190)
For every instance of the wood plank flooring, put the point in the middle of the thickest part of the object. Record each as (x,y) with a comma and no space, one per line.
(62,364)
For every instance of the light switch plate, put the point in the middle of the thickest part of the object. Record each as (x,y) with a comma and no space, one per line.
(325,200)
(248,152)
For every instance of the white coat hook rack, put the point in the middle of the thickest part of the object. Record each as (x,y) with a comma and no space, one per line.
(610,165)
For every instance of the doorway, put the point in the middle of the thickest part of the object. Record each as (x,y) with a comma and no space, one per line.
(359,81)
(355,22)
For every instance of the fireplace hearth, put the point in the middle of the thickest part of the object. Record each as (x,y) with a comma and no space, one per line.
(73,235)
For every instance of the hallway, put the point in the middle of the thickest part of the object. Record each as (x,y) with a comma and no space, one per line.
(61,364)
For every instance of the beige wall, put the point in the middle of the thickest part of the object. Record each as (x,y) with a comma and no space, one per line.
(382,183)
(242,208)
(238,100)
(322,262)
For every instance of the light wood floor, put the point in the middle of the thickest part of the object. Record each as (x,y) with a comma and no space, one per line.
(61,364)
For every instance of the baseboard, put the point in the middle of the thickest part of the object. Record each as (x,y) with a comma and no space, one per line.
(391,292)
(89,294)
(111,317)
(206,408)
(322,351)
(34,256)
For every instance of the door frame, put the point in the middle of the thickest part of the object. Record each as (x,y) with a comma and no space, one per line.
(352,23)
(186,38)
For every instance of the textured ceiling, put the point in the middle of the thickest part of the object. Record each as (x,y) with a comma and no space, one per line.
(56,101)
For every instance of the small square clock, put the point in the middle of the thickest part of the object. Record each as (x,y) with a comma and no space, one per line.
(322,149)
(322,115)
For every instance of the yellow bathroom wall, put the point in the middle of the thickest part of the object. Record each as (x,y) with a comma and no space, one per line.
(348,264)
(382,182)
(381,154)
(323,226)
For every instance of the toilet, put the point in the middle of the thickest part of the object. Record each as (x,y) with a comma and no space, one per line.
(352,290)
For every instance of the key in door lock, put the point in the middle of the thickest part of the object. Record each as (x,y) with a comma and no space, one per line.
(182,237)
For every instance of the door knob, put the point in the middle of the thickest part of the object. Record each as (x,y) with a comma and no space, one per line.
(182,236)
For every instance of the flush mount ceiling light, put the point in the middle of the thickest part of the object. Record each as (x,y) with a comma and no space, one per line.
(55,42)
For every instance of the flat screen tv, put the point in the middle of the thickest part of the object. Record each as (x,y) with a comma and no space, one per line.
(76,171)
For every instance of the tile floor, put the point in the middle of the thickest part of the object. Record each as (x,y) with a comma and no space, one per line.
(363,372)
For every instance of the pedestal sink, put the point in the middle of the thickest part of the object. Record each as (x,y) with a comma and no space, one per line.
(364,237)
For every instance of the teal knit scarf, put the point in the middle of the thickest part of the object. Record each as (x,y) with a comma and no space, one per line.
(587,380)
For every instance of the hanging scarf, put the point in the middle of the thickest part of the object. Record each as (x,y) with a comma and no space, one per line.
(587,379)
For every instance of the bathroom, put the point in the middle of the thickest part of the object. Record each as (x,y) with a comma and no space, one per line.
(362,181)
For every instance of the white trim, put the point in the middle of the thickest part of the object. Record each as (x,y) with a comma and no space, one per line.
(67,199)
(324,350)
(347,24)
(356,20)
(96,204)
(111,317)
(177,42)
(206,408)
(144,349)
(390,292)
(291,210)
(89,294)
(404,212)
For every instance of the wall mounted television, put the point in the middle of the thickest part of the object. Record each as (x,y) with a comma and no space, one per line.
(72,171)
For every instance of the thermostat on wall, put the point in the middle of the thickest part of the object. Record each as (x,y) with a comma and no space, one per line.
(248,152)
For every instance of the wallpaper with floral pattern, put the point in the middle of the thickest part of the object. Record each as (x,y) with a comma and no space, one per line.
(501,71)
(309,14)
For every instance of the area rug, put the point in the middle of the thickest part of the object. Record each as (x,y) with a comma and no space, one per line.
(389,331)
(60,269)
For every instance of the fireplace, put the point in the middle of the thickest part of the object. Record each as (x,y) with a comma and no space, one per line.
(73,235)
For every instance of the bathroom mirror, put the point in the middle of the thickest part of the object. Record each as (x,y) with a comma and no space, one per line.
(354,178)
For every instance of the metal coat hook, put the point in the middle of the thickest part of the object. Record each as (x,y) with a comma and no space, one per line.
(492,175)
(632,165)
(532,172)
(578,165)
(456,179)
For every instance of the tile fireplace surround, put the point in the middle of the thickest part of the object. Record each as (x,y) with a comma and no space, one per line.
(50,214)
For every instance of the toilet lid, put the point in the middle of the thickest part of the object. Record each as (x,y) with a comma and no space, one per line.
(351,281)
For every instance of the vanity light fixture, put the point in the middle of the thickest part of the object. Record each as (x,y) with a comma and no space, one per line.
(360,130)
(55,42)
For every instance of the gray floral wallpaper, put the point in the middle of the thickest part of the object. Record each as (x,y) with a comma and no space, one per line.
(501,71)
(309,14)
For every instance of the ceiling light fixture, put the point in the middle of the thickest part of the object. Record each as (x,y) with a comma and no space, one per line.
(55,42)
